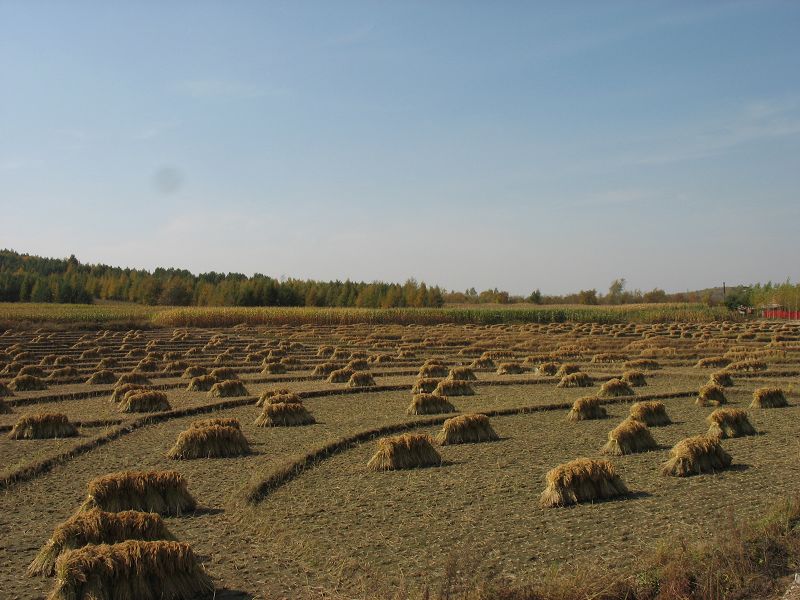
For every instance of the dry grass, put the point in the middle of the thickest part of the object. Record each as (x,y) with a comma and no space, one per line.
(740,560)
(483,362)
(230,388)
(729,423)
(608,357)
(696,456)
(547,369)
(144,401)
(358,364)
(629,437)
(361,379)
(107,363)
(587,408)
(121,390)
(175,365)
(325,369)
(11,368)
(721,378)
(711,395)
(148,365)
(749,365)
(4,391)
(284,415)
(433,370)
(462,374)
(520,459)
(581,480)
(131,570)
(267,394)
(510,368)
(42,426)
(285,398)
(652,413)
(575,380)
(642,364)
(162,492)
(340,375)
(614,388)
(137,378)
(224,373)
(55,374)
(202,383)
(380,359)
(274,368)
(210,441)
(634,378)
(221,421)
(713,361)
(27,383)
(290,362)
(424,385)
(769,397)
(467,429)
(406,451)
(103,376)
(449,387)
(429,404)
(193,371)
(97,527)
(567,369)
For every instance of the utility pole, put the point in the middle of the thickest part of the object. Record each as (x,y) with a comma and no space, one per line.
(724,292)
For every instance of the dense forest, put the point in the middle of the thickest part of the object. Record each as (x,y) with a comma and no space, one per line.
(26,278)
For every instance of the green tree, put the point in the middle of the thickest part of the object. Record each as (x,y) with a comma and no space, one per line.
(656,295)
(615,290)
(41,291)
(175,293)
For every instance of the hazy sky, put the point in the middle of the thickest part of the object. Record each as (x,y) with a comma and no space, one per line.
(520,145)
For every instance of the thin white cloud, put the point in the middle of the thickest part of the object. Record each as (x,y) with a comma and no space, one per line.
(618,197)
(754,122)
(597,38)
(357,36)
(13,164)
(226,89)
(153,131)
(75,138)
(209,222)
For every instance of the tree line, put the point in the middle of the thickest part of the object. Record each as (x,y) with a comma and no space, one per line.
(786,295)
(27,278)
(617,294)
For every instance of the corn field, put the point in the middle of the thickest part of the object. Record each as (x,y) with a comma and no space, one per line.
(163,316)
(229,316)
(76,313)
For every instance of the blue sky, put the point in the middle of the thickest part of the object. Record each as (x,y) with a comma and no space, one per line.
(517,145)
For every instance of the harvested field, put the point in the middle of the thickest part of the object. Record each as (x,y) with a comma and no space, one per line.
(302,506)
